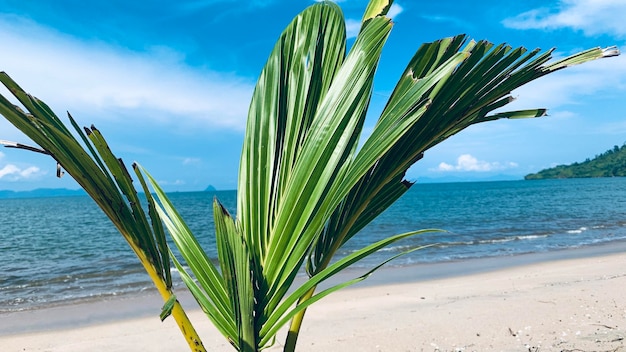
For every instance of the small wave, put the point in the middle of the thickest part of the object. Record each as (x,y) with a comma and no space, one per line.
(455,244)
(577,231)
(497,240)
(531,237)
(610,238)
(400,248)
(511,239)
(175,271)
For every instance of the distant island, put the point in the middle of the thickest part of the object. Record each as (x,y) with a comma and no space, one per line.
(57,192)
(611,163)
(41,193)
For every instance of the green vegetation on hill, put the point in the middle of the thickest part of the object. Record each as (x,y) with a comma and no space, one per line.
(611,163)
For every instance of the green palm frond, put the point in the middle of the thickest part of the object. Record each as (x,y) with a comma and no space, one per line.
(106,180)
(481,84)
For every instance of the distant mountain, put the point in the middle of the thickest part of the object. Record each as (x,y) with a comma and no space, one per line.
(42,193)
(210,188)
(468,178)
(611,163)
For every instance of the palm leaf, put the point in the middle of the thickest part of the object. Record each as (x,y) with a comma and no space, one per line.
(211,291)
(107,181)
(235,262)
(287,310)
(480,84)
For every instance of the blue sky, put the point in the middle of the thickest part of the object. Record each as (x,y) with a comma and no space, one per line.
(169,82)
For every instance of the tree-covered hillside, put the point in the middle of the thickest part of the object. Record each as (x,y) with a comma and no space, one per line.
(608,164)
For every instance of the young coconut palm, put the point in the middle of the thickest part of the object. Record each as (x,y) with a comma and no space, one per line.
(305,187)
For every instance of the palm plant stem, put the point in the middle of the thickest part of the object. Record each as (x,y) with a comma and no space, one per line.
(178,313)
(296,323)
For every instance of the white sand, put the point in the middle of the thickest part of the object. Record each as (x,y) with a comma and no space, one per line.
(566,305)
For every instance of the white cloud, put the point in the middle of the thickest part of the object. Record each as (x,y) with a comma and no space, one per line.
(352,28)
(593,17)
(467,162)
(177,182)
(445,167)
(566,87)
(394,11)
(106,80)
(449,21)
(11,172)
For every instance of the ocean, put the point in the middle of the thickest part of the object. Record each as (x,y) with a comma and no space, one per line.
(60,250)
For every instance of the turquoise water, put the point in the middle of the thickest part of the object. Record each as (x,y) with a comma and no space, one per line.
(58,250)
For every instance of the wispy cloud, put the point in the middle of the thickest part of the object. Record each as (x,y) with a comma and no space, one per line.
(190,6)
(99,78)
(394,11)
(593,17)
(11,172)
(467,162)
(352,27)
(450,21)
(177,182)
(198,5)
(191,161)
(567,87)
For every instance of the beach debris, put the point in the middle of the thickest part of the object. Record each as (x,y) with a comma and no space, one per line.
(606,326)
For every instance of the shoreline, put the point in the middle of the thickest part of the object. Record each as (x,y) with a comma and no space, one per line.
(455,268)
(136,304)
(570,299)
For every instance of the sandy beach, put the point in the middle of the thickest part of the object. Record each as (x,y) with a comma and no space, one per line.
(576,301)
